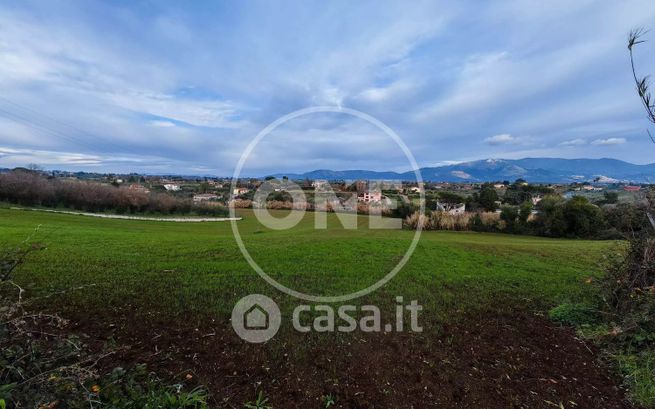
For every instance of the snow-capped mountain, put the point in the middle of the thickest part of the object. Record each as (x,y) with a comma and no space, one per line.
(554,170)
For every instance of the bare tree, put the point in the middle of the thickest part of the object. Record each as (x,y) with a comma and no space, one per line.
(34,167)
(642,82)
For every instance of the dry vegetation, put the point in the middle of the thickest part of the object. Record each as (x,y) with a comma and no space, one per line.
(31,188)
(455,222)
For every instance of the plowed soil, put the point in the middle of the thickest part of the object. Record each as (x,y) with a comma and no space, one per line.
(517,360)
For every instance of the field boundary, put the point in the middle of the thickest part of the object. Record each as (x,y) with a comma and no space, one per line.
(123,217)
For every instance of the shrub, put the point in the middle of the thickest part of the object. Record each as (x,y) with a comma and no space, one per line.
(241,203)
(509,214)
(571,218)
(417,219)
(33,189)
(626,218)
(525,212)
(486,222)
(404,210)
(574,314)
(628,289)
(488,197)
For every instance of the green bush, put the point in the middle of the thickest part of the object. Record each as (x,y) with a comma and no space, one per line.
(628,290)
(574,314)
(571,218)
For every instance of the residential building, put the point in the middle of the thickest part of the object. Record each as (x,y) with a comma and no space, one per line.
(451,208)
(205,197)
(368,197)
(171,187)
(321,185)
(240,191)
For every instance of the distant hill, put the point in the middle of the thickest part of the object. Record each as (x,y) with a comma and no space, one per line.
(551,170)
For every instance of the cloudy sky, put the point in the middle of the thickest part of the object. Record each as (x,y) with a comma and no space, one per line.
(183,87)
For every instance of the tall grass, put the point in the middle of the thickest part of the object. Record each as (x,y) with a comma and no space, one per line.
(446,221)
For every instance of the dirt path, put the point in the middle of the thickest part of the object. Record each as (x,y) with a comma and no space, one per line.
(154,219)
(490,362)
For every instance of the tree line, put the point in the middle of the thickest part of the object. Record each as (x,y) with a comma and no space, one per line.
(32,188)
(553,216)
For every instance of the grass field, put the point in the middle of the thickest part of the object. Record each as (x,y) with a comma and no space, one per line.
(180,268)
(166,290)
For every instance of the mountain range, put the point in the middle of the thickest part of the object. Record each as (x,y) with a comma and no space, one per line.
(537,170)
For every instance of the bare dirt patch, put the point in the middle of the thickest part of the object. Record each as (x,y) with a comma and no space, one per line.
(516,360)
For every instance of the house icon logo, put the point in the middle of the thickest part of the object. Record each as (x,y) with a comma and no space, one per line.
(256,318)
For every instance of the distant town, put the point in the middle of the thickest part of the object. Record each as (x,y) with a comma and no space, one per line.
(449,197)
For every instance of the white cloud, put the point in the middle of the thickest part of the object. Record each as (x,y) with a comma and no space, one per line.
(609,141)
(501,139)
(21,157)
(199,113)
(162,124)
(485,79)
(64,60)
(383,94)
(51,159)
(574,142)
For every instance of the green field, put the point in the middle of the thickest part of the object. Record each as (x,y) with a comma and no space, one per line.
(162,293)
(197,268)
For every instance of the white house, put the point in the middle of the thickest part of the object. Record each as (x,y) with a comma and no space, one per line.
(239,191)
(171,187)
(320,184)
(451,208)
(368,197)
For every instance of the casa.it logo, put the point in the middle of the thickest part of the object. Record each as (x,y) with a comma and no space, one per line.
(256,318)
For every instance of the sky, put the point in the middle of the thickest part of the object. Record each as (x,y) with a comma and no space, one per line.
(183,87)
